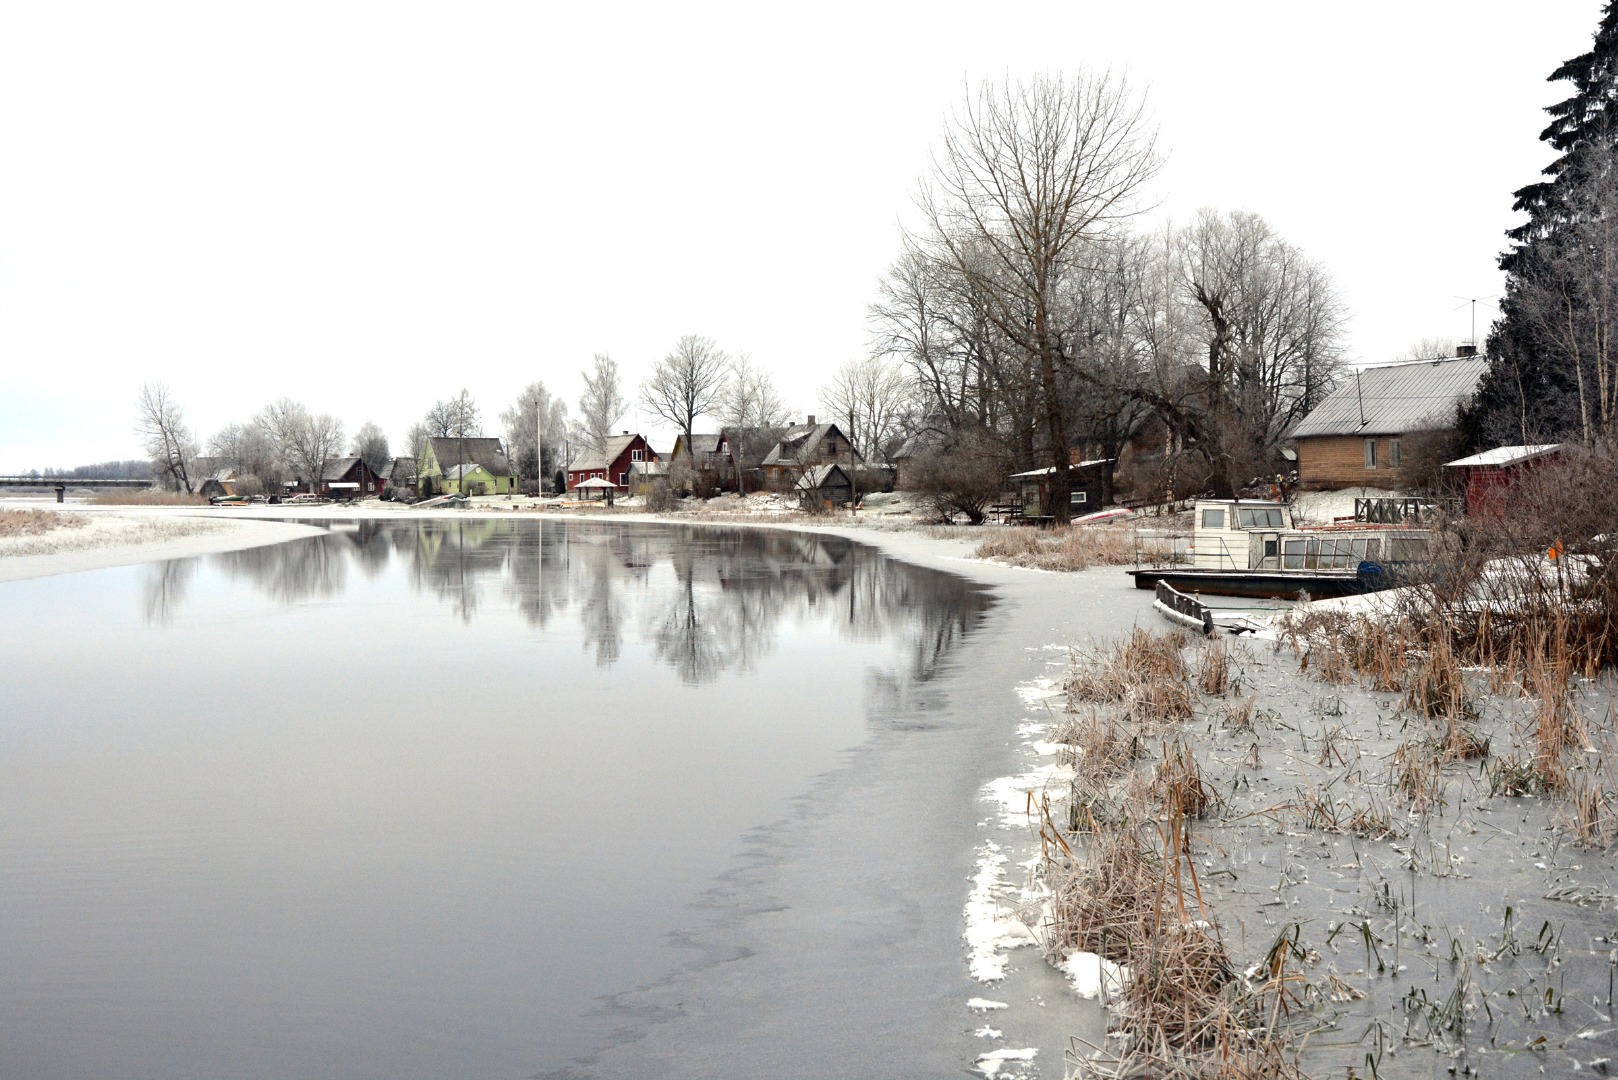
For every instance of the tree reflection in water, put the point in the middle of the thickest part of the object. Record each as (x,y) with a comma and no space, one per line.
(707,601)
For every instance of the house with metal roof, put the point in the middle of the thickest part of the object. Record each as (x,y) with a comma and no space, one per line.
(1354,438)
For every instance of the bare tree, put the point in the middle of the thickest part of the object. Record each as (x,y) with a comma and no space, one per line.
(686,383)
(371,446)
(535,425)
(306,442)
(963,475)
(602,403)
(457,418)
(750,410)
(1028,177)
(1271,325)
(875,399)
(169,442)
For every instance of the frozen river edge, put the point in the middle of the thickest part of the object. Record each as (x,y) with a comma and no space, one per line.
(847,916)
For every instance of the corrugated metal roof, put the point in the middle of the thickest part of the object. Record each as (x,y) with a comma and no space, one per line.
(1395,398)
(1505,455)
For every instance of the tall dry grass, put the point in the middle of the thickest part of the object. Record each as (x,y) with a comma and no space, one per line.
(36,522)
(1062,548)
(122,497)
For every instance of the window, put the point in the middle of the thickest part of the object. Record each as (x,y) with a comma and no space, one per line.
(1259,517)
(1077,498)
(1213,519)
(1393,453)
(1370,453)
(1292,556)
(623,479)
(724,447)
(635,455)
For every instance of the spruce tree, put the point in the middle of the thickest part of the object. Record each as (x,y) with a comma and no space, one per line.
(1552,324)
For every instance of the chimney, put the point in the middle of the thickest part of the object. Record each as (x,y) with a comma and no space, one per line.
(1464,351)
(625,433)
(811,420)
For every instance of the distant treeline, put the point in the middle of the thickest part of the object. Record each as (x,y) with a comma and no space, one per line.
(133,469)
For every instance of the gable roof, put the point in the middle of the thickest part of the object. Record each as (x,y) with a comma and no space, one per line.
(1395,398)
(701,443)
(816,477)
(339,468)
(402,468)
(484,451)
(615,450)
(801,441)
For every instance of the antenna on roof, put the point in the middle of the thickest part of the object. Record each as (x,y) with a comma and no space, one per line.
(1473,300)
(1359,391)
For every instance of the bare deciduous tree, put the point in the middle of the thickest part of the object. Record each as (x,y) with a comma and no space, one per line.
(1027,178)
(304,441)
(752,415)
(686,383)
(601,404)
(457,418)
(875,400)
(161,424)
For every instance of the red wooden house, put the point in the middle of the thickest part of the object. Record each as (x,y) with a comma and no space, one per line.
(613,466)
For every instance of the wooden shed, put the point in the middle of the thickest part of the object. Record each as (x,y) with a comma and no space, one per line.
(824,486)
(1088,480)
(1491,475)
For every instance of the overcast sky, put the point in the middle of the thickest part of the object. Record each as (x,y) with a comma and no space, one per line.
(368,206)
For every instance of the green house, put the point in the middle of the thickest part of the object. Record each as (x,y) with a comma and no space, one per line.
(465,467)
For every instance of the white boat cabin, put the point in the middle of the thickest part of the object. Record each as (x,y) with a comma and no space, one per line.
(1250,534)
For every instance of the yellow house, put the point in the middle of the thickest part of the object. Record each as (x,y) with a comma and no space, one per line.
(470,466)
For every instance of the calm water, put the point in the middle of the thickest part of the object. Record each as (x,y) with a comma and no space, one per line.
(405,800)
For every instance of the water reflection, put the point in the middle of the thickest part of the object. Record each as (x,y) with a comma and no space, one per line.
(707,600)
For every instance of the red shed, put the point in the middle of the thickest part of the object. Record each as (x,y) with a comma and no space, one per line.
(1491,475)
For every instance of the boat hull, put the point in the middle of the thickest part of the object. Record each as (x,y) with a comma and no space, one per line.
(1259,584)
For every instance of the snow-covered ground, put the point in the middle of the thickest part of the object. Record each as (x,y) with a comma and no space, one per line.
(95,538)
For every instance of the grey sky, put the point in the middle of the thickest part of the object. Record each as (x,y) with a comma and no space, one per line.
(367,206)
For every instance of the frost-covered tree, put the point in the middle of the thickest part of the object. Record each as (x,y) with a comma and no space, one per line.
(602,403)
(168,441)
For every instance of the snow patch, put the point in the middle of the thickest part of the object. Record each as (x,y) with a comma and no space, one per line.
(1090,974)
(985,1005)
(991,1063)
(991,927)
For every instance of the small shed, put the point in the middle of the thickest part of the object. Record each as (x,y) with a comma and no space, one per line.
(1491,475)
(1088,480)
(824,486)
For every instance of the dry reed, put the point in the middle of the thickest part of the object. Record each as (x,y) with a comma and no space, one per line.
(146,498)
(1067,549)
(36,522)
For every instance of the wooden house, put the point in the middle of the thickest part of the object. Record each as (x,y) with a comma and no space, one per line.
(347,478)
(1491,476)
(645,475)
(1354,438)
(437,471)
(709,457)
(802,447)
(622,451)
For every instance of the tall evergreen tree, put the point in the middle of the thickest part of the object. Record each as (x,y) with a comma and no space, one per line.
(1550,361)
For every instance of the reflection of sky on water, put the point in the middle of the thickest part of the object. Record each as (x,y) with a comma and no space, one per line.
(409,796)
